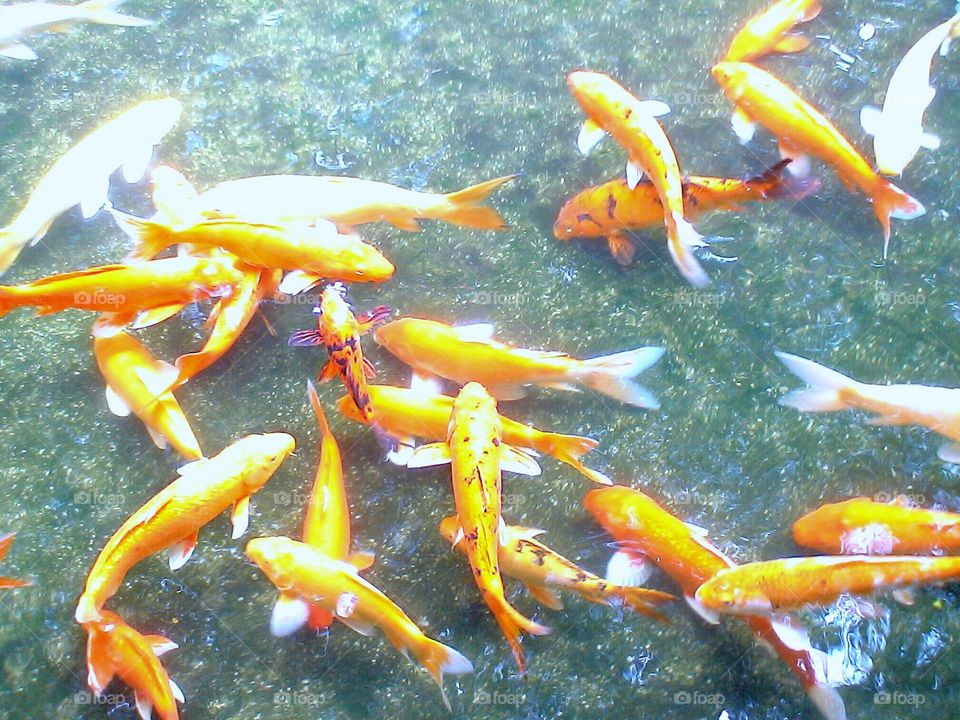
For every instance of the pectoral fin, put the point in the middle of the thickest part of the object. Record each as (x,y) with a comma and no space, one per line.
(94,197)
(240,517)
(430,455)
(116,404)
(590,136)
(621,247)
(160,645)
(144,706)
(178,554)
(950,452)
(159,378)
(634,174)
(743,126)
(159,440)
(507,392)
(290,613)
(709,616)
(296,281)
(328,372)
(930,141)
(17,51)
(361,560)
(149,318)
(517,461)
(545,596)
(405,223)
(799,162)
(402,451)
(792,44)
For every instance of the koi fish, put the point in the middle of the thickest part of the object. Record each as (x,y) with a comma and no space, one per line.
(470,353)
(346,201)
(683,551)
(24,19)
(769,31)
(173,518)
(544,571)
(897,129)
(612,209)
(406,414)
(8,582)
(474,447)
(230,316)
(125,291)
(326,529)
(140,384)
(801,129)
(339,331)
(82,174)
(116,649)
(296,568)
(775,586)
(318,251)
(611,108)
(861,526)
(936,408)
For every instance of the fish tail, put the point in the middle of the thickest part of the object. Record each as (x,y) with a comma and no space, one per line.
(464,208)
(890,201)
(439,659)
(103,12)
(824,393)
(570,448)
(682,238)
(512,624)
(149,236)
(11,243)
(774,184)
(643,601)
(613,375)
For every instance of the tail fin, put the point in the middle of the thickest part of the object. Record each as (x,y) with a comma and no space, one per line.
(151,237)
(570,448)
(644,601)
(890,201)
(823,395)
(681,240)
(828,701)
(465,208)
(438,659)
(775,185)
(512,624)
(613,375)
(10,246)
(103,12)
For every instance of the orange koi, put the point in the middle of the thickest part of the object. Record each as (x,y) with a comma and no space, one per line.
(801,129)
(685,553)
(114,649)
(470,353)
(861,526)
(611,108)
(296,568)
(612,209)
(173,518)
(769,31)
(8,582)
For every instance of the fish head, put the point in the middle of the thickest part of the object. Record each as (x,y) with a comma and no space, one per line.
(617,508)
(334,310)
(349,259)
(587,83)
(822,526)
(348,408)
(730,76)
(263,454)
(159,116)
(394,334)
(275,556)
(220,274)
(725,596)
(474,398)
(573,222)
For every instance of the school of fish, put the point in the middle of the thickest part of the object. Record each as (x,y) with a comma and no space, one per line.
(254,240)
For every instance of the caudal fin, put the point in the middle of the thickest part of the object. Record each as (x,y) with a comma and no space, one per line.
(613,375)
(439,659)
(890,201)
(151,237)
(570,448)
(512,624)
(682,237)
(103,12)
(464,206)
(10,246)
(825,386)
(644,601)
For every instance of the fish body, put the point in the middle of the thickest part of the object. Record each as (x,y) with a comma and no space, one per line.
(775,586)
(349,201)
(339,331)
(406,414)
(612,109)
(140,384)
(125,290)
(612,209)
(862,526)
(897,128)
(319,251)
(21,20)
(298,569)
(81,176)
(544,571)
(7,583)
(114,649)
(803,130)
(173,518)
(468,354)
(231,316)
(769,30)
(936,408)
(684,552)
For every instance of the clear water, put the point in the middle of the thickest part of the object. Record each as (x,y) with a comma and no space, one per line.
(440,95)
